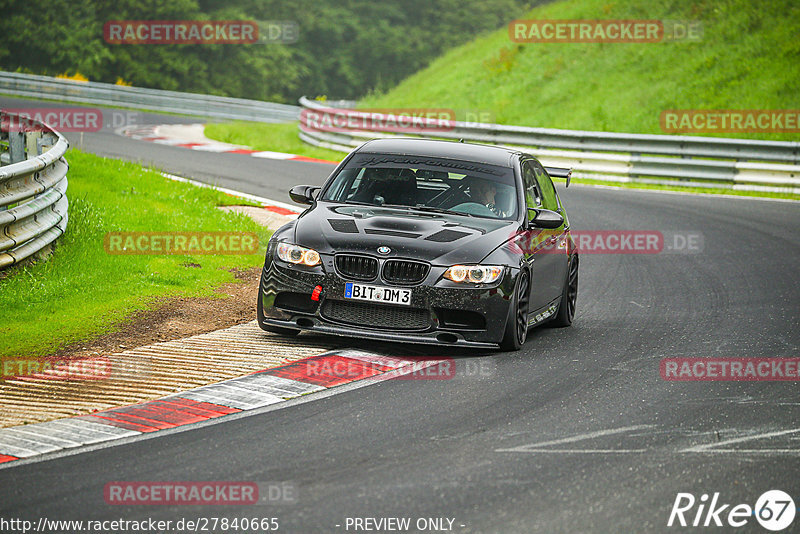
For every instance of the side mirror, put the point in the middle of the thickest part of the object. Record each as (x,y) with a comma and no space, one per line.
(303,194)
(542,218)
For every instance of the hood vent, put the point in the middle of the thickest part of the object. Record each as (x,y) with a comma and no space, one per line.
(345,226)
(392,233)
(446,236)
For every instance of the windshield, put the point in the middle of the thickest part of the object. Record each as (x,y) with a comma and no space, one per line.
(432,184)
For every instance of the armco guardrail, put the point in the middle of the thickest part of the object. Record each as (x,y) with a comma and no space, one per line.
(657,159)
(33,187)
(107,94)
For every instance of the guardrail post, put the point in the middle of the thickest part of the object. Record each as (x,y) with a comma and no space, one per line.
(32,143)
(16,146)
(41,144)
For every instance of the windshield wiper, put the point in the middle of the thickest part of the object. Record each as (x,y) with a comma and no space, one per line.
(358,203)
(374,205)
(440,210)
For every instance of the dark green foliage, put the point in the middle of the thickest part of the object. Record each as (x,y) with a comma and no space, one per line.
(346,48)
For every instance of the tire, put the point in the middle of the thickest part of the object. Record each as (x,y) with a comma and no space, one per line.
(569,296)
(268,327)
(517,323)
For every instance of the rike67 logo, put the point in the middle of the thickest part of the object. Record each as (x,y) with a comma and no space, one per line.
(774,510)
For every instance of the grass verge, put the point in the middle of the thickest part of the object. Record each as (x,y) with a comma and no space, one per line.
(81,291)
(264,136)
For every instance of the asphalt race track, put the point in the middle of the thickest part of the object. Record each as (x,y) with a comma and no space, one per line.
(577,432)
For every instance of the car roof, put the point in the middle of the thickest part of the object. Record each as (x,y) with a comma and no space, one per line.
(492,155)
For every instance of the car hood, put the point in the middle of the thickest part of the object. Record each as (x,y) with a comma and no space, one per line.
(439,238)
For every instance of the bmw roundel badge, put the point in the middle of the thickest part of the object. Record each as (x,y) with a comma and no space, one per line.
(384,250)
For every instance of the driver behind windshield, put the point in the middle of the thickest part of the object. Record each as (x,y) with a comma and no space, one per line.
(483,192)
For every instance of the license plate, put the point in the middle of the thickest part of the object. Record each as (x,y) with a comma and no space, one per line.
(387,295)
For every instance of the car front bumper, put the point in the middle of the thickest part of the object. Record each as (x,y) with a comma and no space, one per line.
(440,312)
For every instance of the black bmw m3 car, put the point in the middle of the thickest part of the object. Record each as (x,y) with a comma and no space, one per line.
(424,241)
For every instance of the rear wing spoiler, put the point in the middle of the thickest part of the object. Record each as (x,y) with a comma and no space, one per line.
(559,172)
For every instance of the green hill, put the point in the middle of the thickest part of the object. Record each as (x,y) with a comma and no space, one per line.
(748,58)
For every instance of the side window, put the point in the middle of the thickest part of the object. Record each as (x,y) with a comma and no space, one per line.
(533,197)
(355,184)
(349,186)
(550,200)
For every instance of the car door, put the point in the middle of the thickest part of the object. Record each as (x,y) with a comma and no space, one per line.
(531,238)
(554,252)
(540,245)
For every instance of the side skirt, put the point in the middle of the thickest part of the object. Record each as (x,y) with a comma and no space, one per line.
(543,313)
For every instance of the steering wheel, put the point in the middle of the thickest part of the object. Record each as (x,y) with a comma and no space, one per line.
(458,197)
(483,210)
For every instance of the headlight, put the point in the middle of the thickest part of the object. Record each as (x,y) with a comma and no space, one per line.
(297,254)
(475,274)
